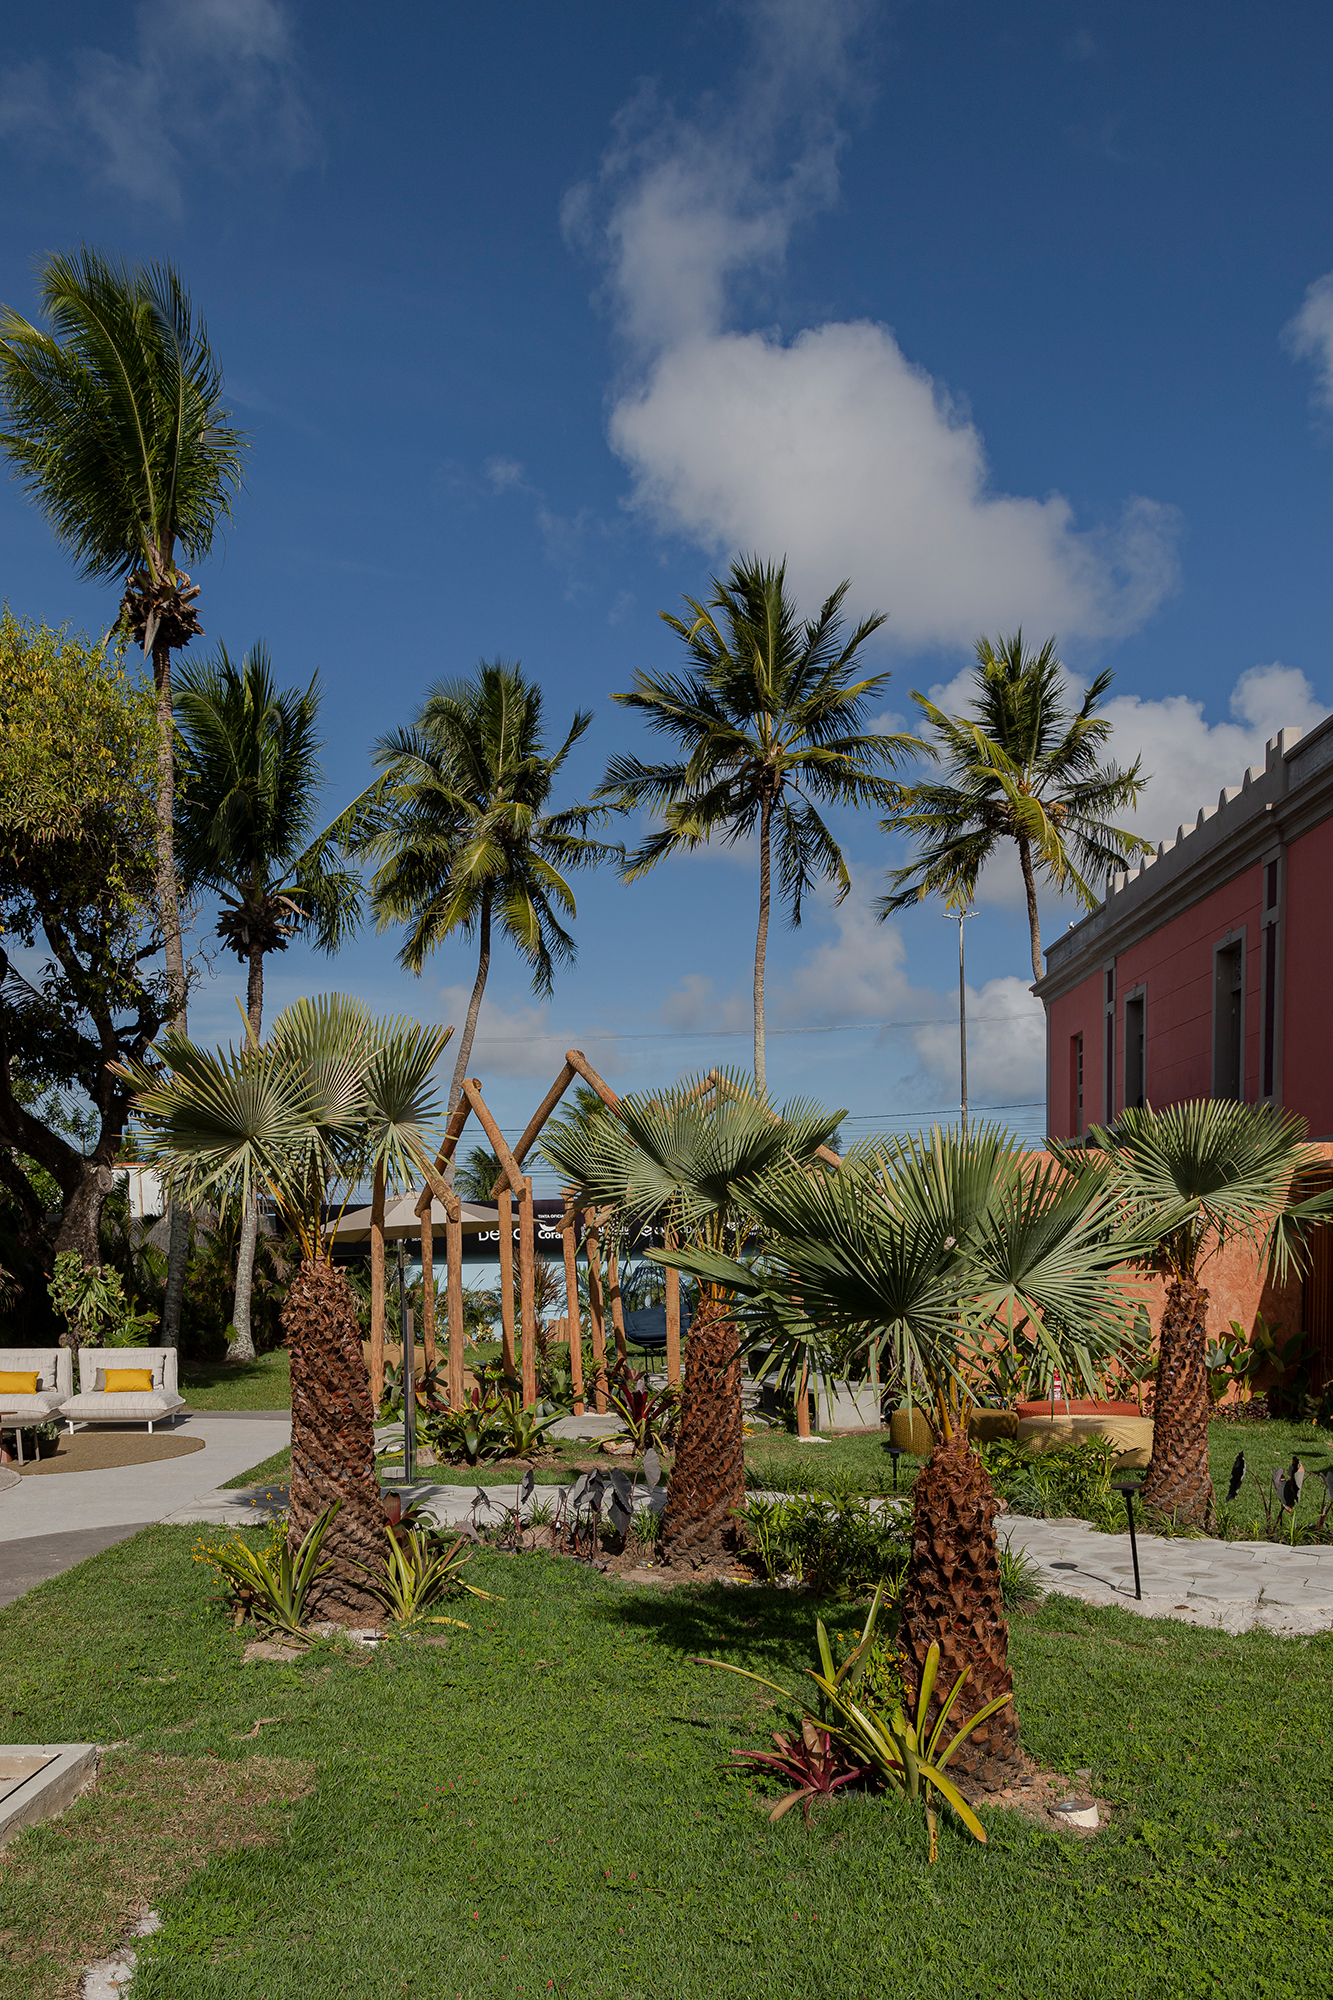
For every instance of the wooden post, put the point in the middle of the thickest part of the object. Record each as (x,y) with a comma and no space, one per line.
(527,1252)
(377,1291)
(507,1283)
(673,1322)
(453,1237)
(428,1284)
(572,1319)
(617,1310)
(597,1323)
(803,1403)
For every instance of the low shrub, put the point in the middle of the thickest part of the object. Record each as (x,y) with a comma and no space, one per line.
(1069,1479)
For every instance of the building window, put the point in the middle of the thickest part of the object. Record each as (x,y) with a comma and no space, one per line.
(1108,1070)
(1229,1020)
(1134,1052)
(1270,1005)
(1076,1084)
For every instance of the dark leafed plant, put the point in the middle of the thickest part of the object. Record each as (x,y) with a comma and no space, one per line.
(943,1252)
(809,1760)
(683,1155)
(650,1415)
(329,1099)
(1199,1176)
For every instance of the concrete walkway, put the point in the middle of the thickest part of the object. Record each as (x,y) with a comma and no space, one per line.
(1232,1586)
(74,1514)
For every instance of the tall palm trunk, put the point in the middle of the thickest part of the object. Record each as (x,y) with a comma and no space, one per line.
(761,941)
(473,1010)
(242,1345)
(333,1443)
(1178,1481)
(168,909)
(952,1594)
(1030,887)
(708,1477)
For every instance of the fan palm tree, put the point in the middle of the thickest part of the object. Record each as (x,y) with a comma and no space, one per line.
(682,1155)
(1202,1175)
(331,1099)
(113,418)
(770,724)
(466,841)
(1022,766)
(245,830)
(943,1252)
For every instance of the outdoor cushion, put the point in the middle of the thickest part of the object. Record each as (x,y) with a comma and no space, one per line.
(44,1404)
(121,1406)
(161,1361)
(54,1366)
(16,1383)
(124,1378)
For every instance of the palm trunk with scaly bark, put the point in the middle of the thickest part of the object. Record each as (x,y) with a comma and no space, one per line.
(952,1595)
(761,942)
(333,1444)
(1030,889)
(168,907)
(1178,1481)
(708,1476)
(470,1025)
(242,1344)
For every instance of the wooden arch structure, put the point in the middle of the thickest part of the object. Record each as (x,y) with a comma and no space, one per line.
(516,1186)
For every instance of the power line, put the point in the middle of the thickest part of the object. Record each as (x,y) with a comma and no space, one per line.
(734,1034)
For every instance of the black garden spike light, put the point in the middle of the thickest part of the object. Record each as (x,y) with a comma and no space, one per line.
(1129,1487)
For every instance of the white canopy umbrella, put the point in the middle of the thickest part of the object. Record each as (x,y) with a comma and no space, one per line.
(401,1220)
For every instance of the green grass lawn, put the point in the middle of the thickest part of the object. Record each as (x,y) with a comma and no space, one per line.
(262,1384)
(537,1806)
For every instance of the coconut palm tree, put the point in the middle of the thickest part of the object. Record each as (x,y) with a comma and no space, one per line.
(1022,766)
(245,819)
(330,1100)
(113,418)
(682,1155)
(944,1252)
(466,842)
(1202,1175)
(770,724)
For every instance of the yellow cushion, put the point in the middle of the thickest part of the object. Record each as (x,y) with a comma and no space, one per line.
(119,1379)
(14,1382)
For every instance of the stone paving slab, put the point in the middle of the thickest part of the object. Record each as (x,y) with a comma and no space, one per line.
(1233,1586)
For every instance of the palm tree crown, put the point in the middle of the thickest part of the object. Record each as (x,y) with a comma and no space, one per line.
(770,724)
(466,841)
(1022,766)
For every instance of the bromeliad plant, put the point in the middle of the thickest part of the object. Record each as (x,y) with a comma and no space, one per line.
(272,1584)
(419,1573)
(650,1415)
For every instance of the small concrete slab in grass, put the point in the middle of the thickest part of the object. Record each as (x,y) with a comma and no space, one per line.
(38,1780)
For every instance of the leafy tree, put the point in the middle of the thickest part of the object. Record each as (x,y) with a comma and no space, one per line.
(946,1254)
(467,841)
(1022,765)
(478,1174)
(1201,1176)
(114,421)
(770,725)
(78,762)
(245,819)
(331,1099)
(686,1154)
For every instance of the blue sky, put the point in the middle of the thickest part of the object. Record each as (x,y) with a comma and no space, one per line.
(536,315)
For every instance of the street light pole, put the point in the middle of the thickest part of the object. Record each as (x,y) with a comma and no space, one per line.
(961,917)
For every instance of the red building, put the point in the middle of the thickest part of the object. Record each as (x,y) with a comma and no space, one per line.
(1208,970)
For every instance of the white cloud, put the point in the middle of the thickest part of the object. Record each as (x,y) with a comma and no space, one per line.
(833,445)
(1309,335)
(1190,760)
(517,1041)
(1006,1045)
(211,81)
(695,1007)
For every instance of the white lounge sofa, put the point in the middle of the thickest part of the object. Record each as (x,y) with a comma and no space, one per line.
(54,1368)
(124,1406)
